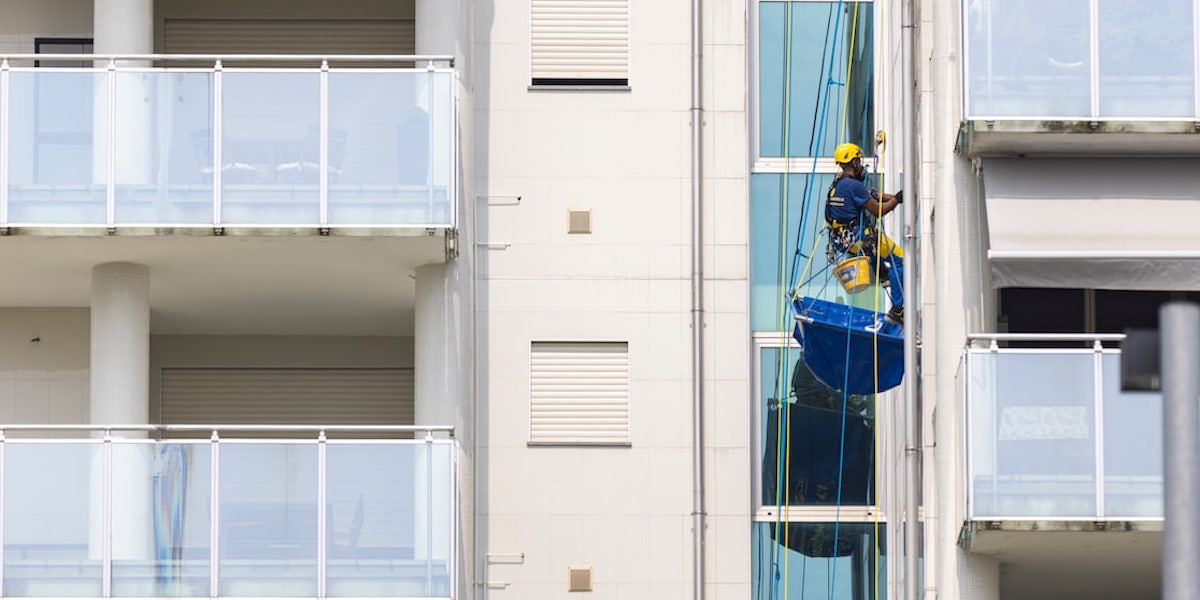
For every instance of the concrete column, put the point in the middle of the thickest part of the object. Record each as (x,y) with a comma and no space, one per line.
(436,395)
(437,26)
(124,27)
(120,366)
(120,395)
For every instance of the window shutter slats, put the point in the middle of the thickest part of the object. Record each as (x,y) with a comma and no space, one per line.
(579,393)
(580,41)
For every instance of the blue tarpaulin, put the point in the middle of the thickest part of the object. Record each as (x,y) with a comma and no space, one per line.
(847,347)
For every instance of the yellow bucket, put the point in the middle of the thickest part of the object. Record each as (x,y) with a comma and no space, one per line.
(854,273)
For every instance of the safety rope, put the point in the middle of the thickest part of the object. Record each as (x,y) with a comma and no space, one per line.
(783,449)
(797,280)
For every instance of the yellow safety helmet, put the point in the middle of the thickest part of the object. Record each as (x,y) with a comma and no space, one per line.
(846,153)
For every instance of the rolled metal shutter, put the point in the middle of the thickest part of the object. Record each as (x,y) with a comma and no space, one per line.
(286,396)
(579,42)
(289,36)
(579,393)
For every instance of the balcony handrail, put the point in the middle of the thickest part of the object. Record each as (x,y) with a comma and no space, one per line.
(1045,337)
(448,429)
(318,58)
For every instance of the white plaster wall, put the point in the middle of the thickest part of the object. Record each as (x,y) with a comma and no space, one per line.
(625,155)
(26,20)
(44,382)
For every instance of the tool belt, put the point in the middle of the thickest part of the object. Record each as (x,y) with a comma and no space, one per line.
(850,238)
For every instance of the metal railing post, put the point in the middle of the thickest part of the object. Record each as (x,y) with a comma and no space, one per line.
(218,104)
(322,515)
(214,538)
(4,94)
(323,167)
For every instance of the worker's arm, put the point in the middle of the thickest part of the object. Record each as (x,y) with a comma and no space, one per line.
(880,204)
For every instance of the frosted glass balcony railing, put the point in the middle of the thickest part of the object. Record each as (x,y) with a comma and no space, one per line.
(226,145)
(1081,60)
(1050,435)
(201,518)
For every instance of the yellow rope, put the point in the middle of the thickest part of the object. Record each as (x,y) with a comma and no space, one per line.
(783,461)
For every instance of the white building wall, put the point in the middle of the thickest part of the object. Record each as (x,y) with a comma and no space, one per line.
(44,365)
(624,155)
(24,22)
(956,299)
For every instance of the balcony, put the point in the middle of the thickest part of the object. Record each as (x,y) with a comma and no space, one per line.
(1077,77)
(264,142)
(229,517)
(1051,436)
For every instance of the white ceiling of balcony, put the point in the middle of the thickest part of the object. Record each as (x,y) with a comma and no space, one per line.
(234,285)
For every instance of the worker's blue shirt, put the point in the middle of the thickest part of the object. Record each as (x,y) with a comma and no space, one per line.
(845,200)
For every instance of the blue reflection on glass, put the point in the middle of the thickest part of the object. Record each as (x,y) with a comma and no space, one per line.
(848,113)
(833,561)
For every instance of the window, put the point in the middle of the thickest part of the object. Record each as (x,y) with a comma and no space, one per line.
(579,393)
(579,43)
(62,113)
(818,526)
(793,75)
(815,499)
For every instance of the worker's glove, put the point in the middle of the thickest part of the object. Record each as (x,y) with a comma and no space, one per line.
(899,196)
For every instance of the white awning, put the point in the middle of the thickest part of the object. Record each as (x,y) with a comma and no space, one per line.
(1108,223)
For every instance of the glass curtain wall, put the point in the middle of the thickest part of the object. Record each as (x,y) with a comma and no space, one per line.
(816,533)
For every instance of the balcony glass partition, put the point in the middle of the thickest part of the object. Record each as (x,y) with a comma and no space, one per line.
(53,173)
(137,518)
(1050,435)
(1080,59)
(236,146)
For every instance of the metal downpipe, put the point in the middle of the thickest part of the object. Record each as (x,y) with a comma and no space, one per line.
(912,444)
(697,316)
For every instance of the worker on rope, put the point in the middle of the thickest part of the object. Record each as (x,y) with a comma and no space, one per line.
(852,213)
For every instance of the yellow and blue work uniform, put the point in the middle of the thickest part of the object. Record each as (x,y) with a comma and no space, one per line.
(853,230)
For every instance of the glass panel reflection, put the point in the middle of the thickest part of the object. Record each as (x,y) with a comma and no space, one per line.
(814,452)
(389,520)
(1146,58)
(160,505)
(270,134)
(57,155)
(390,159)
(268,529)
(1133,446)
(52,523)
(164,145)
(1028,58)
(1031,423)
(847,114)
(832,561)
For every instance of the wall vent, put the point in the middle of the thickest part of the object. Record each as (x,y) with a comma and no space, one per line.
(579,220)
(579,579)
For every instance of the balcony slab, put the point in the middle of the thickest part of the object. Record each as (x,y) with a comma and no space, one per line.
(1032,137)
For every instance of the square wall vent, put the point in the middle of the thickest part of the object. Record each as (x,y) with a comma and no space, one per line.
(579,579)
(579,220)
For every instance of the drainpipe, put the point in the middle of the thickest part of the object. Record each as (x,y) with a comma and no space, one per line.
(912,449)
(697,319)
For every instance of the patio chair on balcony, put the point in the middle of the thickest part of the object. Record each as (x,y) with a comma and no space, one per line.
(301,163)
(242,161)
(344,536)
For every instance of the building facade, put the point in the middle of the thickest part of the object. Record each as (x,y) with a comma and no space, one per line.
(456,299)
